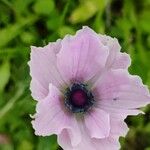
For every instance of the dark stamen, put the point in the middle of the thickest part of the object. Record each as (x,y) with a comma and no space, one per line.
(78,98)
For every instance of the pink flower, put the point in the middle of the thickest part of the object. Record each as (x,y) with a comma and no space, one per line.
(84,91)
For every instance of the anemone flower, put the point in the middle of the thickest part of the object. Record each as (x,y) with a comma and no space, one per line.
(84,91)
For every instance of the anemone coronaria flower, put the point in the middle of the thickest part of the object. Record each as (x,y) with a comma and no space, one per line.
(84,91)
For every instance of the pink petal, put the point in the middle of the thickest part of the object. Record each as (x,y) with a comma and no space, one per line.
(98,123)
(43,69)
(119,90)
(89,143)
(109,85)
(115,59)
(109,143)
(52,119)
(122,61)
(38,91)
(64,140)
(118,127)
(86,142)
(81,56)
(68,139)
(119,113)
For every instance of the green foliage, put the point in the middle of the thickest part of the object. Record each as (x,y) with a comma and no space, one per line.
(4,75)
(86,10)
(47,143)
(44,7)
(36,22)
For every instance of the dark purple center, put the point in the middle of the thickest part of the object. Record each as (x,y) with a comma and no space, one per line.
(78,98)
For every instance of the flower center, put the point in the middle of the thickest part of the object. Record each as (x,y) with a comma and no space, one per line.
(78,98)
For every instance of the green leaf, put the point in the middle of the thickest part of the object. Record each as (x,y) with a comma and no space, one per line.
(9,33)
(27,37)
(25,145)
(44,7)
(47,143)
(23,6)
(86,10)
(4,75)
(65,30)
(6,147)
(53,23)
(144,22)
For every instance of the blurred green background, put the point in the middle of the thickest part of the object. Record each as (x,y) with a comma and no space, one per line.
(36,22)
